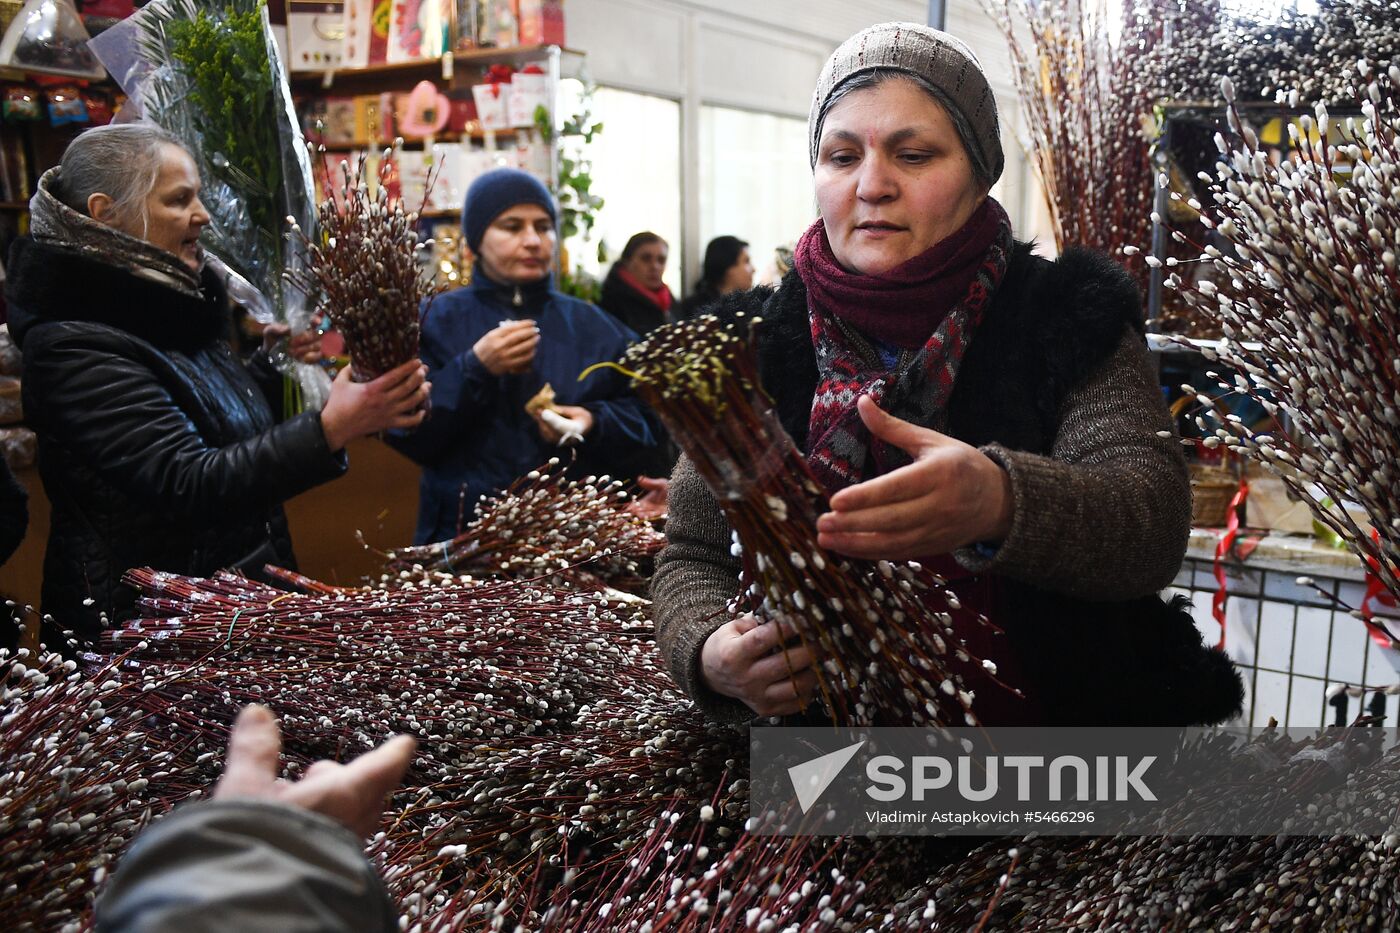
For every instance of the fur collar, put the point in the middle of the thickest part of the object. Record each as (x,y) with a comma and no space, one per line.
(49,284)
(1048,326)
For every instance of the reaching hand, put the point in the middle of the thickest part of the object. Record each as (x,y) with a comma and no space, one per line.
(359,409)
(352,794)
(950,496)
(652,504)
(509,348)
(760,665)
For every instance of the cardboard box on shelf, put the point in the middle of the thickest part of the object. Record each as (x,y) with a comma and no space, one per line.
(462,167)
(336,116)
(418,29)
(541,22)
(492,105)
(315,35)
(366,32)
(1270,506)
(359,24)
(529,90)
(531,154)
(374,119)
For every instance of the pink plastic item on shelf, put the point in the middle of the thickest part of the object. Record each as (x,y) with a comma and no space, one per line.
(426,112)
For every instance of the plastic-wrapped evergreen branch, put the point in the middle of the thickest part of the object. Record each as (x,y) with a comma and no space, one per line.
(542,524)
(882,632)
(225,106)
(1308,296)
(208,72)
(1085,96)
(363,269)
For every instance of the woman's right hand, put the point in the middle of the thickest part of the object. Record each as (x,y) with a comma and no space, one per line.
(359,409)
(744,659)
(509,348)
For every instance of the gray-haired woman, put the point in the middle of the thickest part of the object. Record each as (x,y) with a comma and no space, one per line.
(966,403)
(157,447)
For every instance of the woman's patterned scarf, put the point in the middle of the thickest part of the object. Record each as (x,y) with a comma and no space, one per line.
(840,449)
(56,224)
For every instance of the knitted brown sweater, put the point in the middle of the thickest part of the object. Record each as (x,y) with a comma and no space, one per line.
(1105,517)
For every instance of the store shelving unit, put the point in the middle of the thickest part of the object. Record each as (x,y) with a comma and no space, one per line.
(454,70)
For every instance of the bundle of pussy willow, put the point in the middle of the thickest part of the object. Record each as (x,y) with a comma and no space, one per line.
(75,770)
(363,268)
(1267,46)
(543,523)
(1298,263)
(1085,98)
(882,633)
(562,784)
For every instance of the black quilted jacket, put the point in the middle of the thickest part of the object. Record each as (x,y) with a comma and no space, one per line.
(157,447)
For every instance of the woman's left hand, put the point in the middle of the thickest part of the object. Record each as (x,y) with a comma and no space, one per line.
(576,413)
(305,346)
(950,496)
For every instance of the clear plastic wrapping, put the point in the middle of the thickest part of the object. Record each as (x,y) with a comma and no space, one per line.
(178,60)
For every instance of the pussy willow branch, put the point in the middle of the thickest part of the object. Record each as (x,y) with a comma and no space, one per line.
(882,633)
(543,523)
(364,270)
(1299,267)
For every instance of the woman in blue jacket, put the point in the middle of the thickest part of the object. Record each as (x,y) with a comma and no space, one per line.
(491,346)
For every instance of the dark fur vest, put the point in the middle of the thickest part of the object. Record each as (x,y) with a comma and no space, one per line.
(1050,325)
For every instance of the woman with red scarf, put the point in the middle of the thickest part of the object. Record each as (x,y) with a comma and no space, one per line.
(967,403)
(633,292)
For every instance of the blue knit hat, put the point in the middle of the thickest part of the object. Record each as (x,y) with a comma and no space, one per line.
(496,192)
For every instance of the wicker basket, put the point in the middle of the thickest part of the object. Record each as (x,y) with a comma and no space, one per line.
(1211,491)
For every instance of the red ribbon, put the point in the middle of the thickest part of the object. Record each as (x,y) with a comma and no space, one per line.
(497,75)
(1227,541)
(1375,589)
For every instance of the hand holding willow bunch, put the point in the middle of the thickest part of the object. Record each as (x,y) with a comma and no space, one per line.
(880,635)
(365,271)
(1308,296)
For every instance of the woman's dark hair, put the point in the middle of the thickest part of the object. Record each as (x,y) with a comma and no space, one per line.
(721,253)
(637,241)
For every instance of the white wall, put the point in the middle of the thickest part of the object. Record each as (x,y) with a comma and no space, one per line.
(764,55)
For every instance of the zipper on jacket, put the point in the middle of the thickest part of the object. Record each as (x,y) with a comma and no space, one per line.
(519,299)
